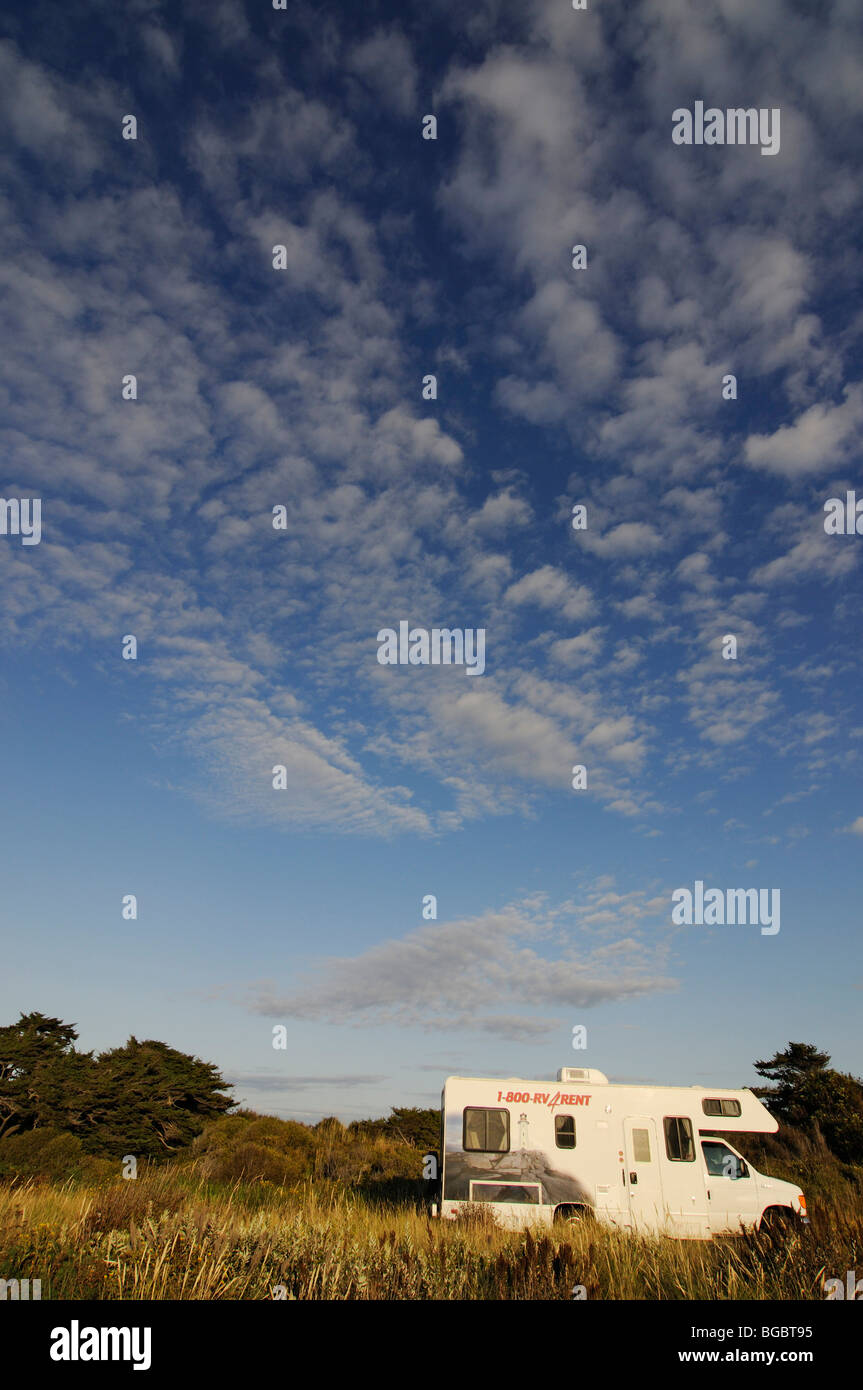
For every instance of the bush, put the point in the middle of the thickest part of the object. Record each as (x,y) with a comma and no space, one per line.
(255,1148)
(263,1148)
(282,1135)
(42,1153)
(330,1128)
(254,1163)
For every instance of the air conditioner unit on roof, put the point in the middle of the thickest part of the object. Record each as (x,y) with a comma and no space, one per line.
(582,1074)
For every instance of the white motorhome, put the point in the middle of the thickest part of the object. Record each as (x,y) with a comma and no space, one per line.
(653,1159)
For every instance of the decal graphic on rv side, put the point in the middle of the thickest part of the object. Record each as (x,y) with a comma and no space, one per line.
(541,1098)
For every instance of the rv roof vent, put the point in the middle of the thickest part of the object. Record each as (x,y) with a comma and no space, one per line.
(582,1074)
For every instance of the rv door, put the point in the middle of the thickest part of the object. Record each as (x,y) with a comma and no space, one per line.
(732,1199)
(642,1174)
(684,1177)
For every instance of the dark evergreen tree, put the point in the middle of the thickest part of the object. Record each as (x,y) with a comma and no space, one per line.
(43,1080)
(418,1127)
(409,1125)
(812,1096)
(145,1098)
(150,1099)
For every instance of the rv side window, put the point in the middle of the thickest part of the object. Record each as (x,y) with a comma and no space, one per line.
(564,1131)
(678,1139)
(720,1107)
(721,1162)
(486,1131)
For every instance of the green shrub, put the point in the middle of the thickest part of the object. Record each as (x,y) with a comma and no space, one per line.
(254,1163)
(282,1135)
(42,1153)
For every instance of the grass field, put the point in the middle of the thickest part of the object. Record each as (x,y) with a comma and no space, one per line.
(173,1234)
(259,1208)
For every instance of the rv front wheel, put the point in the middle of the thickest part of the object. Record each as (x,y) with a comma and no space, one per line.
(572,1215)
(778,1223)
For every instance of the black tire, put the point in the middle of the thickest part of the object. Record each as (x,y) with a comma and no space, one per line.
(778,1224)
(572,1216)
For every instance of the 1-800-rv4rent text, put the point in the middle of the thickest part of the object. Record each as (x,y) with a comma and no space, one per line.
(653,1159)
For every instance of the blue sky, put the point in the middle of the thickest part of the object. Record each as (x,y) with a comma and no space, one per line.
(302,388)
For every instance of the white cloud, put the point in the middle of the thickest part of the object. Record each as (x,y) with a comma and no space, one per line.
(500,511)
(820,439)
(623,541)
(386,63)
(548,587)
(459,974)
(575,651)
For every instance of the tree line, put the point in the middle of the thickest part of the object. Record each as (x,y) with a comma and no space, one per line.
(149,1099)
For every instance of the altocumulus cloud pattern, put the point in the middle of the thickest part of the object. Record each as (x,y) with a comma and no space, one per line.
(430,536)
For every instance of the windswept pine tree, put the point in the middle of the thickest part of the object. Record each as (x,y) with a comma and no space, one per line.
(810,1095)
(407,1124)
(44,1081)
(151,1099)
(144,1098)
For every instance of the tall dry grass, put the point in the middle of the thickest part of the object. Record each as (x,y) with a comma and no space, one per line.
(175,1234)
